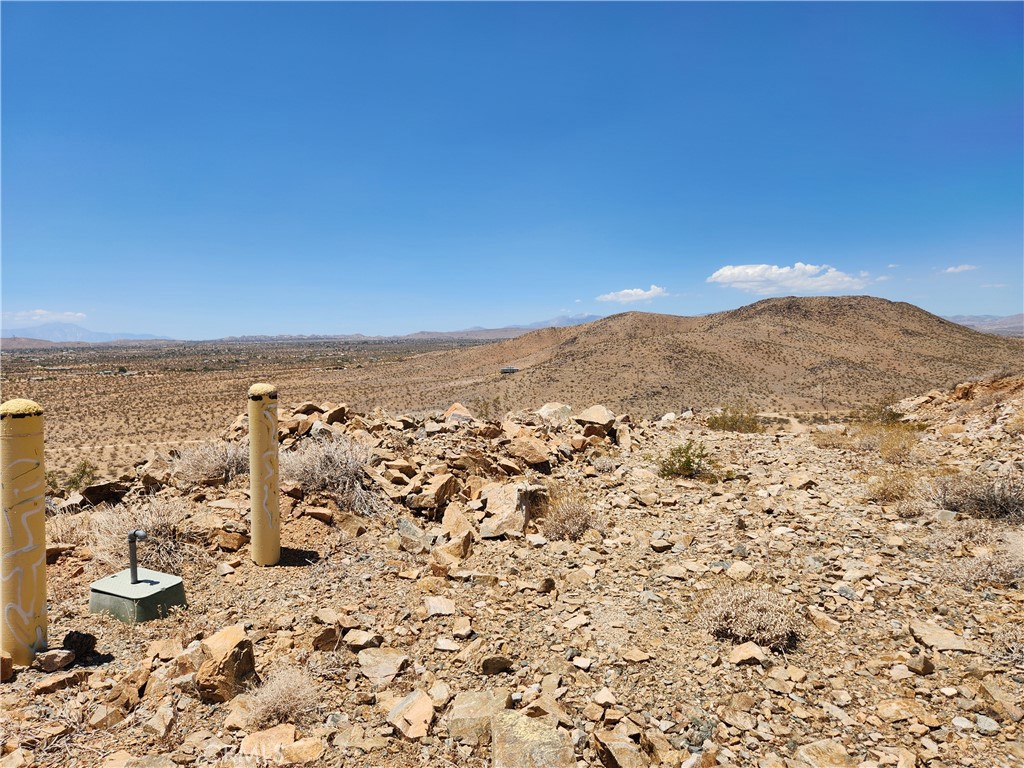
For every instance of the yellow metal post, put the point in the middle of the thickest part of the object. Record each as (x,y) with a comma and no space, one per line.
(265,515)
(23,532)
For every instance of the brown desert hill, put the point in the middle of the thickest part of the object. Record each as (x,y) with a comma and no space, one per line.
(783,353)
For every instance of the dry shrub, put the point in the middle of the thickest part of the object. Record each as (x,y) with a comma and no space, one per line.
(992,498)
(568,513)
(832,439)
(981,559)
(743,613)
(333,466)
(986,568)
(210,463)
(289,694)
(892,485)
(1008,643)
(897,444)
(960,535)
(169,545)
(604,464)
(1015,424)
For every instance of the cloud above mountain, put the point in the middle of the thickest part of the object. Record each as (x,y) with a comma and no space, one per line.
(630,295)
(771,279)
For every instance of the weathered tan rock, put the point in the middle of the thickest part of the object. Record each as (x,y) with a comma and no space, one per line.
(412,715)
(6,666)
(508,509)
(381,665)
(941,639)
(457,413)
(529,449)
(747,653)
(303,751)
(228,665)
(439,606)
(518,741)
(596,415)
(555,414)
(162,721)
(469,718)
(455,550)
(826,753)
(616,750)
(269,744)
(436,492)
(105,716)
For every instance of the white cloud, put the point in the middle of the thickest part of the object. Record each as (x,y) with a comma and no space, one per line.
(630,295)
(39,316)
(767,279)
(892,266)
(960,268)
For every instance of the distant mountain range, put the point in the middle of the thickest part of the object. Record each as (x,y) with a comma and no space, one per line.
(1011,325)
(70,332)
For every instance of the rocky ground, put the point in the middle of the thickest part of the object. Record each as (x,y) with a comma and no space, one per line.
(806,602)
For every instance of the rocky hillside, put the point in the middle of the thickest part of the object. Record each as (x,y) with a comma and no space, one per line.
(778,354)
(543,591)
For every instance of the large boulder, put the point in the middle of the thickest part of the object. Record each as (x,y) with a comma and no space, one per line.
(596,416)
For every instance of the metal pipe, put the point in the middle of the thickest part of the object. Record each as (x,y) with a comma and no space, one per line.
(133,563)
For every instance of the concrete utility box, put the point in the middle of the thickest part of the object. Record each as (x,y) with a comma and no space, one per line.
(152,597)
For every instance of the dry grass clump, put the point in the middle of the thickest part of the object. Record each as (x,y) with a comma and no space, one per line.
(568,513)
(210,463)
(1015,424)
(1008,643)
(289,694)
(744,613)
(333,466)
(992,498)
(832,438)
(170,544)
(736,418)
(892,485)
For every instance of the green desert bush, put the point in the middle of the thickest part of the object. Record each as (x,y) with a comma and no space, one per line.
(689,460)
(84,474)
(736,418)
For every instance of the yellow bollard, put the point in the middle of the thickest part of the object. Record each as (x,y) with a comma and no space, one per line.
(23,533)
(265,517)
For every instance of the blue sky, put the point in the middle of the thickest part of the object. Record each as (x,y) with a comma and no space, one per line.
(205,169)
